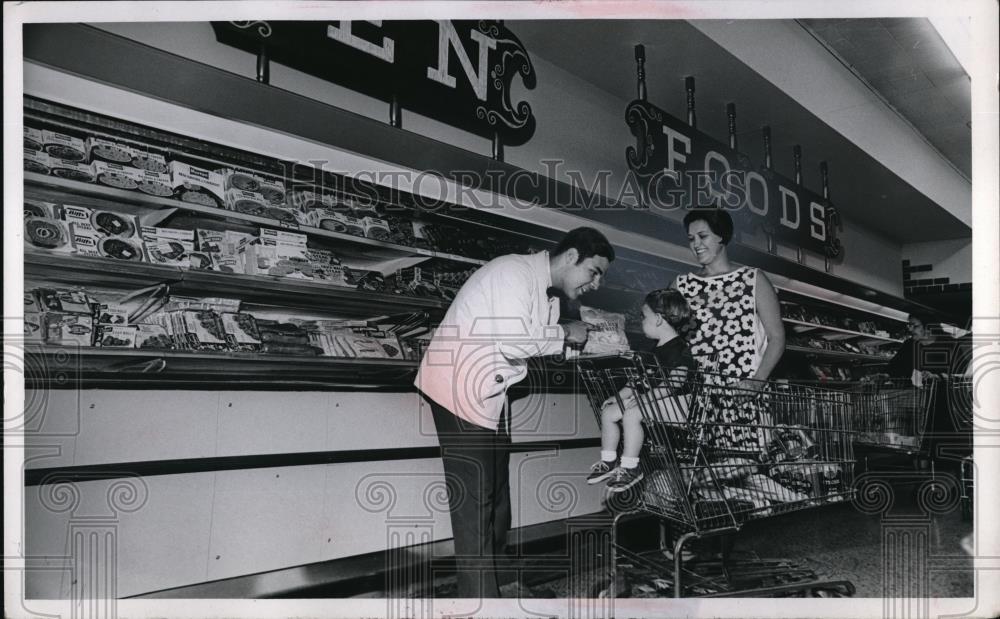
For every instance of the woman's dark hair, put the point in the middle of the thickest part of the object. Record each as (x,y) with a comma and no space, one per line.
(718,220)
(670,304)
(930,325)
(587,242)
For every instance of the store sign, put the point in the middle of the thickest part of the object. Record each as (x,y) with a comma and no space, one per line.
(457,72)
(678,166)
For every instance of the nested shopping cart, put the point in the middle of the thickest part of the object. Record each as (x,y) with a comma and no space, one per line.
(961,408)
(892,417)
(716,456)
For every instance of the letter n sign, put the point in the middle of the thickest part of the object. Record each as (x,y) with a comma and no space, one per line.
(456,72)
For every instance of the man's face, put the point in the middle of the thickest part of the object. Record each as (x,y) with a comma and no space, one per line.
(583,276)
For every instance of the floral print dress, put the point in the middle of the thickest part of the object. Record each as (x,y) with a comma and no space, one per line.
(727,340)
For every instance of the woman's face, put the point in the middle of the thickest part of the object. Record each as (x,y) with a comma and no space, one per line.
(705,244)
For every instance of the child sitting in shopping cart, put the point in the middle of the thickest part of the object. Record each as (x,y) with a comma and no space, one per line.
(663,313)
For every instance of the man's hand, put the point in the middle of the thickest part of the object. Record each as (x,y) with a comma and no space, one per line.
(576,333)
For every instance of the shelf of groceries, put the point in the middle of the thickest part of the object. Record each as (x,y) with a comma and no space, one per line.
(156,255)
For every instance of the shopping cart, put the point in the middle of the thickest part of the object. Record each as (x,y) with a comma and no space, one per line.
(892,416)
(961,409)
(716,457)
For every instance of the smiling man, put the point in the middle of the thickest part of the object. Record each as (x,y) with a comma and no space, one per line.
(501,317)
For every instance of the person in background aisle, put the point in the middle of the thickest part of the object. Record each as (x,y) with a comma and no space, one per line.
(912,353)
(663,313)
(929,354)
(501,316)
(737,335)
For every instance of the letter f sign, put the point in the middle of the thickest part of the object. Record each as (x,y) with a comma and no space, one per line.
(447,39)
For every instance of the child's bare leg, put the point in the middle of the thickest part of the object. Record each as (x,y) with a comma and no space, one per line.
(610,434)
(632,426)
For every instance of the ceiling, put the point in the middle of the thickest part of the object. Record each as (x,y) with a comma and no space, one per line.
(862,188)
(907,63)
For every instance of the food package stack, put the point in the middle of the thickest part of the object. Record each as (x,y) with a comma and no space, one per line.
(285,338)
(113,328)
(67,316)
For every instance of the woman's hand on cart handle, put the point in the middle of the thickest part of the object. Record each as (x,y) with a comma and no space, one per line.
(750,388)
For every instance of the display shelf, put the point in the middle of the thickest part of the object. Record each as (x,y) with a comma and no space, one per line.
(89,367)
(64,367)
(836,333)
(836,354)
(251,289)
(55,189)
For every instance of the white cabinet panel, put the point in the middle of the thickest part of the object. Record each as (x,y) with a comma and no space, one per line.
(546,416)
(260,422)
(360,420)
(46,552)
(551,485)
(372,506)
(128,426)
(265,519)
(164,543)
(51,423)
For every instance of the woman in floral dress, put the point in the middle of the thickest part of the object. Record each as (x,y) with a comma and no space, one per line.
(737,336)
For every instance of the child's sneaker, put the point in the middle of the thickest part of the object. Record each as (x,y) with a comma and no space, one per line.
(624,479)
(600,471)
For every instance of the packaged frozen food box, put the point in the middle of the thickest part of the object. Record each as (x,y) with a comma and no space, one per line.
(273,190)
(62,146)
(64,300)
(329,219)
(31,302)
(155,183)
(121,249)
(72,214)
(169,246)
(248,202)
(69,329)
(199,261)
(390,344)
(152,336)
(284,236)
(241,332)
(37,161)
(305,200)
(32,138)
(229,254)
(34,327)
(376,228)
(117,175)
(35,208)
(86,240)
(110,223)
(149,161)
(361,207)
(285,215)
(342,223)
(112,314)
(116,336)
(47,234)
(238,178)
(203,329)
(196,185)
(102,149)
(72,170)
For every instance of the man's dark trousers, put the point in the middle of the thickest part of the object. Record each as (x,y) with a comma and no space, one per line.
(476,467)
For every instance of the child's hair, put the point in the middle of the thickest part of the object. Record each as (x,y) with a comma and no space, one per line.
(670,304)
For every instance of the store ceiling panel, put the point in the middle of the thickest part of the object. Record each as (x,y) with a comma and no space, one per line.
(866,191)
(906,61)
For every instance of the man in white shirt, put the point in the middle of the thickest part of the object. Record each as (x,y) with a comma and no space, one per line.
(502,316)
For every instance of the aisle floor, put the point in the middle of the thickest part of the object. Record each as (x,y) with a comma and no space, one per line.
(837,542)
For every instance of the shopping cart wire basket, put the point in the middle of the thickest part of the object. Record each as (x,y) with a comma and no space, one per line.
(717,454)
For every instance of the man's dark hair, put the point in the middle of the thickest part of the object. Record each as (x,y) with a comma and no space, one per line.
(587,242)
(718,220)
